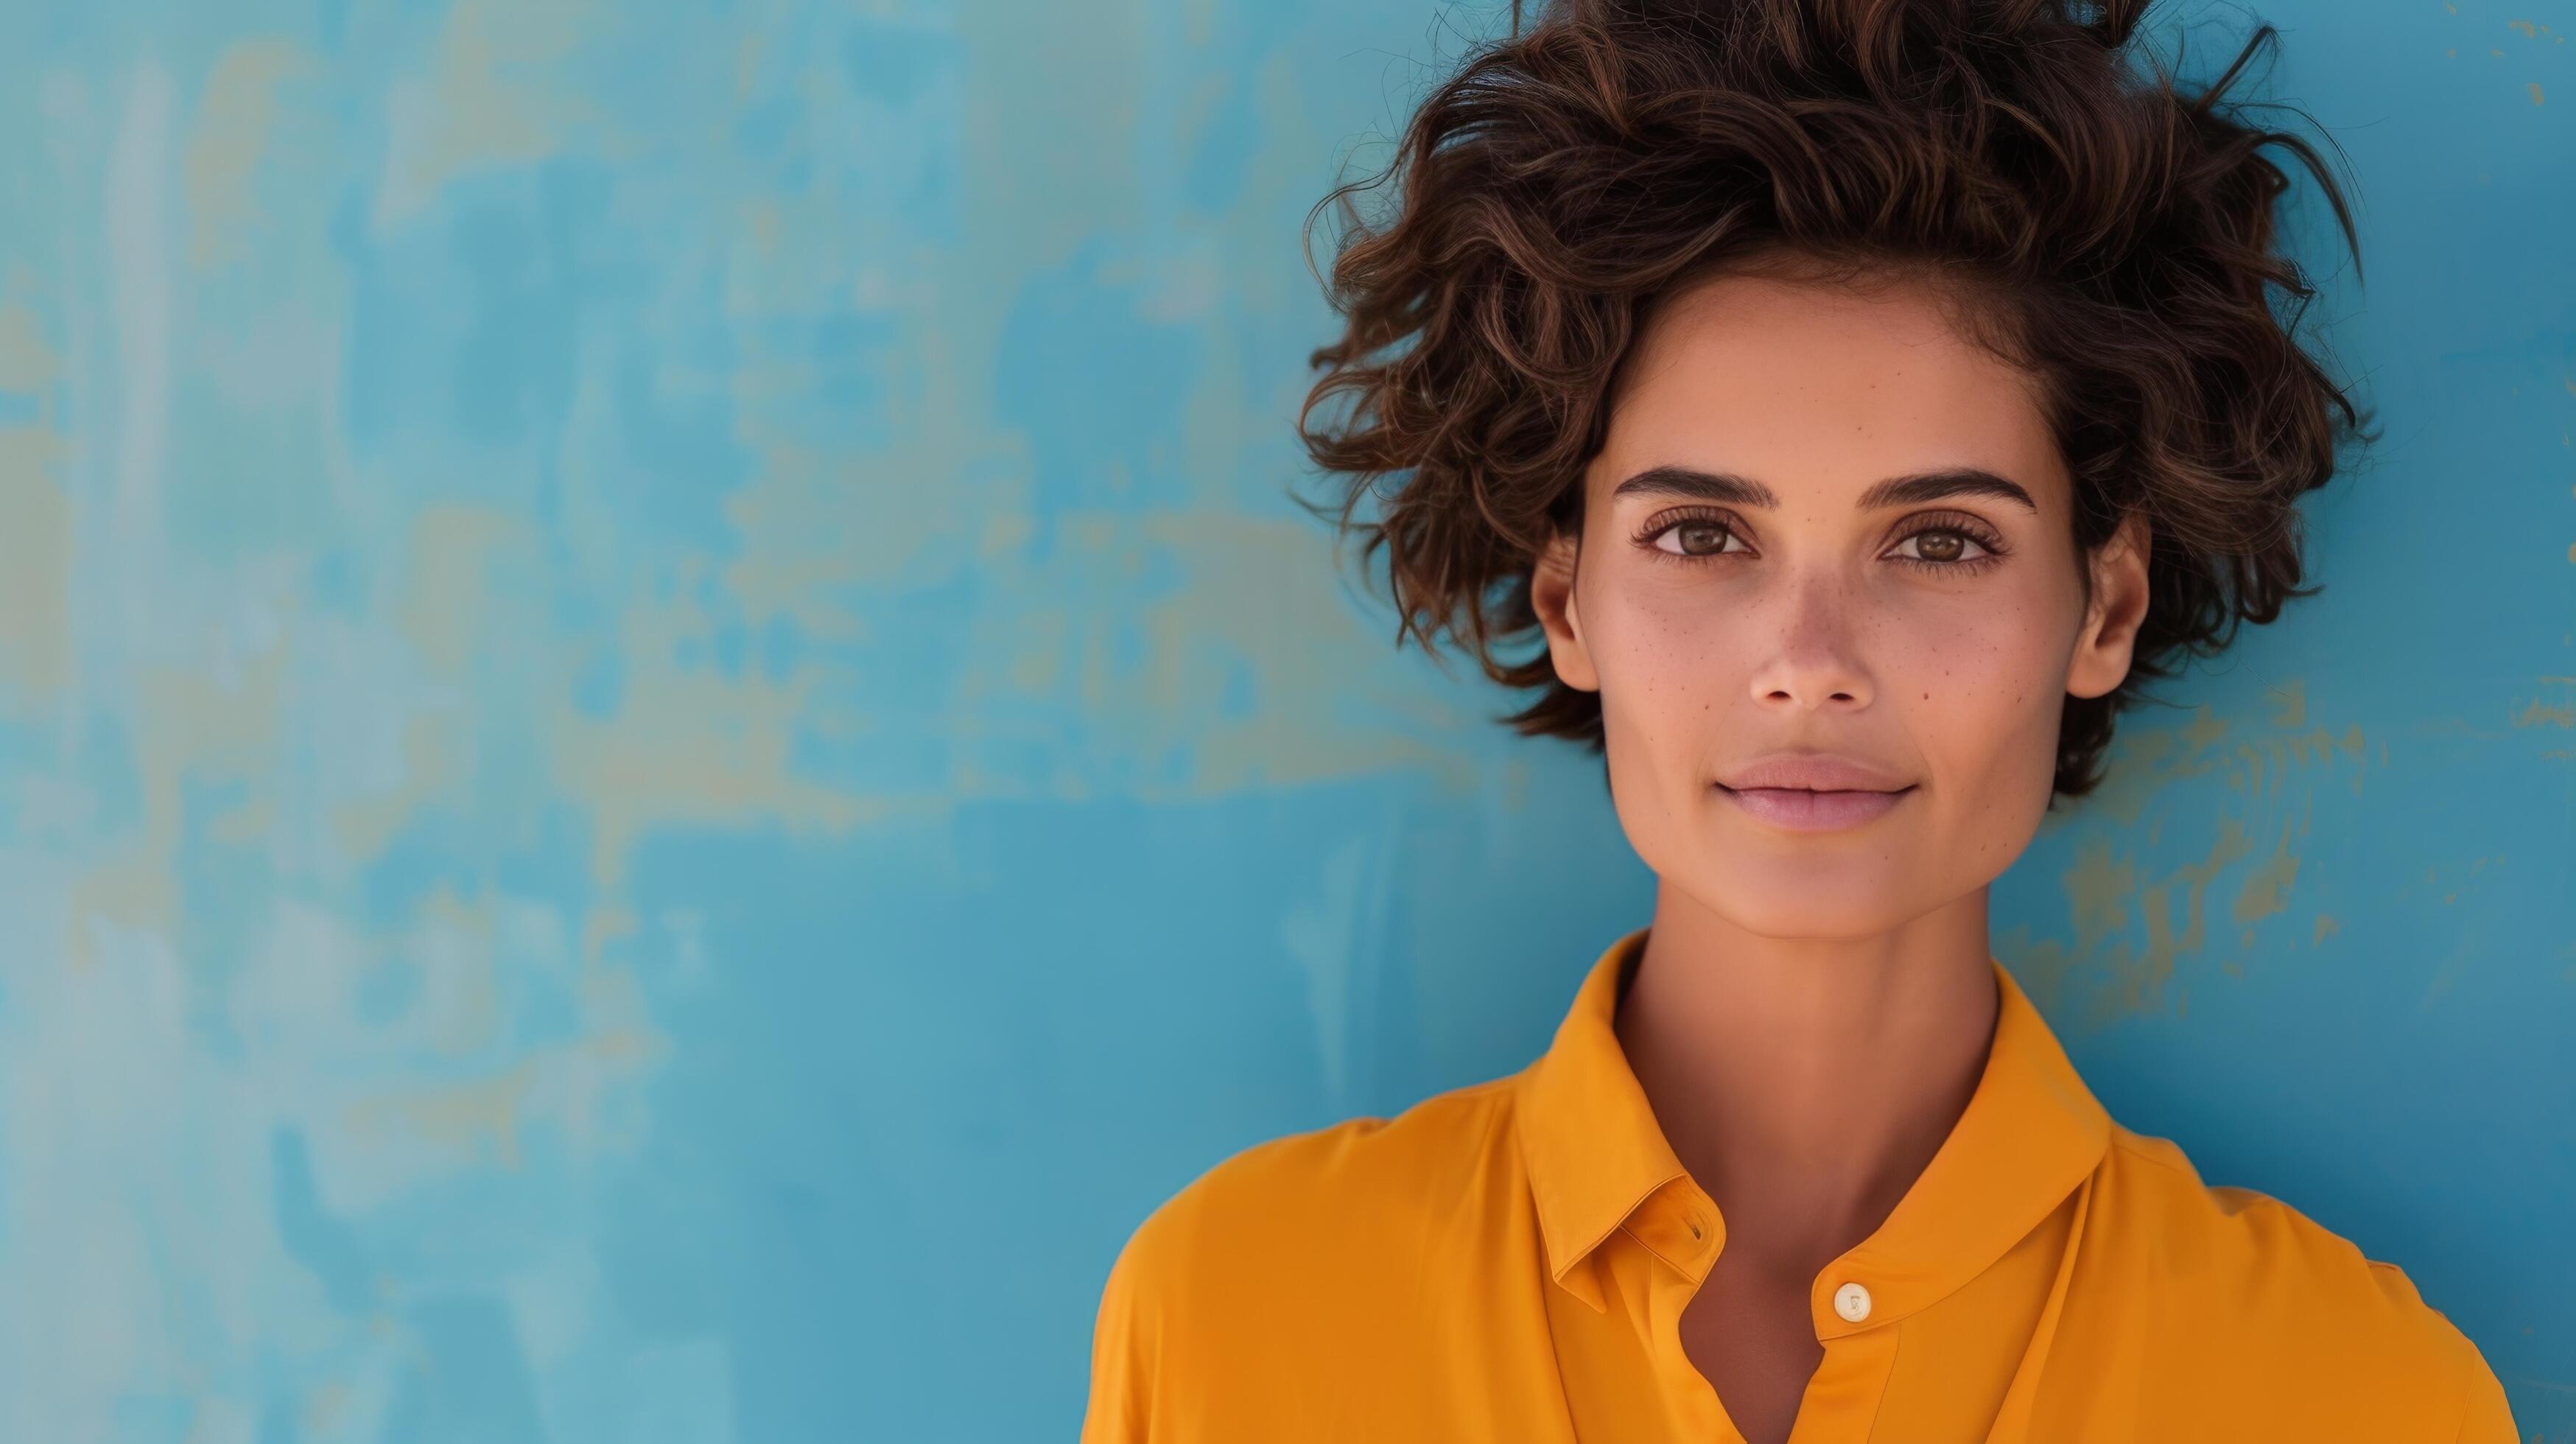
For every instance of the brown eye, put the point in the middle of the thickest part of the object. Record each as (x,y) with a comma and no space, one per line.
(1693,539)
(1701,538)
(1946,549)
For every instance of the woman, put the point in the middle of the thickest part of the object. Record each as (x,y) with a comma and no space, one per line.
(1858,397)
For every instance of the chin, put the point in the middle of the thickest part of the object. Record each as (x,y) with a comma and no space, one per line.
(1806,896)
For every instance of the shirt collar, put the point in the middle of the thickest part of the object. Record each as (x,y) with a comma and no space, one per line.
(2030,1134)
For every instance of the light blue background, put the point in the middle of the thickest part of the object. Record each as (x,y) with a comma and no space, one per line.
(667,743)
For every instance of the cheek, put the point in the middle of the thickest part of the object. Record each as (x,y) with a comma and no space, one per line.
(1984,685)
(1664,657)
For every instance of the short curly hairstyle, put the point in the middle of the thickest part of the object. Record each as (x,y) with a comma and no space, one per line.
(2106,231)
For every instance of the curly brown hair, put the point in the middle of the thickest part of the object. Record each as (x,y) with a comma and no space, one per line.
(2106,231)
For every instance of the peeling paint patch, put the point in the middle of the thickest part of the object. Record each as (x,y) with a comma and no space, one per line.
(231,129)
(2266,888)
(37,544)
(2539,713)
(484,103)
(2137,912)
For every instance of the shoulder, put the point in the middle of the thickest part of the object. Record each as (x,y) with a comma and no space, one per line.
(1319,1253)
(1344,1193)
(1320,1226)
(2262,1250)
(2260,1286)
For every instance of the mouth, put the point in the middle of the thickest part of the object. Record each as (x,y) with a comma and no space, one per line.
(1803,809)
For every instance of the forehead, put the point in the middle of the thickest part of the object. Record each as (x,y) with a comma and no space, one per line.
(1820,390)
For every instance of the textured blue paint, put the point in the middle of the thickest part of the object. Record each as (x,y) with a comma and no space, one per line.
(666,744)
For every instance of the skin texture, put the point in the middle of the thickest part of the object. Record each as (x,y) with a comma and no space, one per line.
(1814,1008)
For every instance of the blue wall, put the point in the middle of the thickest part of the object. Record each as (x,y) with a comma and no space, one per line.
(667,743)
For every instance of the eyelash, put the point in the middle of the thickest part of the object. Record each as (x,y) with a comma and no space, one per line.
(1954,524)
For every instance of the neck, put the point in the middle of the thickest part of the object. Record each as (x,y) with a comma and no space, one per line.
(1806,1082)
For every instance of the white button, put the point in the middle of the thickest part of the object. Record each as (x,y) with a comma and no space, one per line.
(1852,1302)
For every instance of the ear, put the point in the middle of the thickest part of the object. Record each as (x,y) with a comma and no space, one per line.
(2108,644)
(1552,597)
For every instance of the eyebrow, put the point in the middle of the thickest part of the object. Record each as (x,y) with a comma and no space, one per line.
(1718,486)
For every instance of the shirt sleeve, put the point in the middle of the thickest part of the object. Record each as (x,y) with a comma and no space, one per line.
(1124,1342)
(2485,1417)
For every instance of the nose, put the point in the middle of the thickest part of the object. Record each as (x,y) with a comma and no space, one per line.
(1813,663)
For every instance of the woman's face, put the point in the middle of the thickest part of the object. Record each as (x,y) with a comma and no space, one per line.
(1824,528)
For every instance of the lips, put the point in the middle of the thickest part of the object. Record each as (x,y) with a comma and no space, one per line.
(1814,772)
(1803,810)
(1814,791)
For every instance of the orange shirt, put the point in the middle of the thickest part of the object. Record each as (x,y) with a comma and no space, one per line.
(1509,1261)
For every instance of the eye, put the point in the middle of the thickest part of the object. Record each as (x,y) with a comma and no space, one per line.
(1693,537)
(1950,545)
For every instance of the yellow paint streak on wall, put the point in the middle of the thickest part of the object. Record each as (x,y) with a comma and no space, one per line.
(486,101)
(461,1117)
(1037,652)
(444,611)
(328,1408)
(2152,759)
(812,529)
(36,538)
(1262,595)
(602,926)
(2138,981)
(459,1002)
(255,819)
(2098,888)
(2267,887)
(2289,703)
(234,116)
(1251,673)
(36,520)
(480,1119)
(2146,760)
(446,597)
(688,745)
(433,753)
(190,722)
(2100,884)
(26,362)
(2549,714)
(131,889)
(198,720)
(1004,533)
